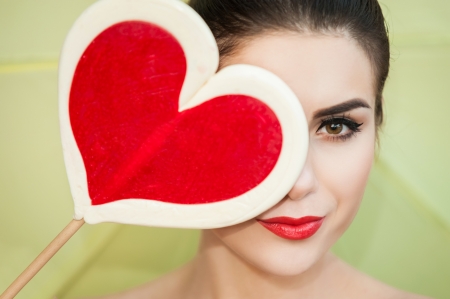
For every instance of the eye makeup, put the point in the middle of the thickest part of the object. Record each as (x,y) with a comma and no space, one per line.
(338,128)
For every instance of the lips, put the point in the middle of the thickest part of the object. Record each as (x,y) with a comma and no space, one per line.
(293,228)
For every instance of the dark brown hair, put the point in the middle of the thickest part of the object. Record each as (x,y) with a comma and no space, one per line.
(234,21)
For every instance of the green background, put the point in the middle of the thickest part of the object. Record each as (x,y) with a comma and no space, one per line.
(401,235)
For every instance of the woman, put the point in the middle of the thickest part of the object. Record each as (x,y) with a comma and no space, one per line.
(335,57)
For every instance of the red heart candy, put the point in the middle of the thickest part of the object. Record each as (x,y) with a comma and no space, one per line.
(135,143)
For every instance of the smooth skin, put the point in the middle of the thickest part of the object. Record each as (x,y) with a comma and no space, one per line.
(327,72)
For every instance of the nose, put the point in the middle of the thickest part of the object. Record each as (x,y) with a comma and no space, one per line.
(307,181)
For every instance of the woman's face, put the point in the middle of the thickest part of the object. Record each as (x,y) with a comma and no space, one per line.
(334,83)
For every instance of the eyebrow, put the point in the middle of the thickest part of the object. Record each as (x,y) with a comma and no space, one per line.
(342,107)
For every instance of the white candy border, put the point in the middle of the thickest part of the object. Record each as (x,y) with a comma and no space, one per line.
(200,85)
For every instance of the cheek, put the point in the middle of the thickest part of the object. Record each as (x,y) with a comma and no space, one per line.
(343,170)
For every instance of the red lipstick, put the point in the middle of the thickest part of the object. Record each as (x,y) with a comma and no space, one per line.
(293,228)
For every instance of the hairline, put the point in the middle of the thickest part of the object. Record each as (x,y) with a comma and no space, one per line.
(239,43)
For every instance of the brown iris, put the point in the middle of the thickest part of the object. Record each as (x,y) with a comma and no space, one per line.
(334,128)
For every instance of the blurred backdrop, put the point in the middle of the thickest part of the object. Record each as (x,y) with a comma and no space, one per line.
(401,235)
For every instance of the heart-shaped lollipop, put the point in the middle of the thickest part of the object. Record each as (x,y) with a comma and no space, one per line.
(152,136)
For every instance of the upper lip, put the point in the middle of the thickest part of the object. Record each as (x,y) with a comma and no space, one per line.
(291,221)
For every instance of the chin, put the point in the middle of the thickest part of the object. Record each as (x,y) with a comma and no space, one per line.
(285,264)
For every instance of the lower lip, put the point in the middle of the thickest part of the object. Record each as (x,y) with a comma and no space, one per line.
(292,231)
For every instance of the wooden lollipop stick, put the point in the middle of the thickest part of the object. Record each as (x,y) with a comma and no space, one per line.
(42,259)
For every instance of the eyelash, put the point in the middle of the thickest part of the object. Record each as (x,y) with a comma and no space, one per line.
(353,127)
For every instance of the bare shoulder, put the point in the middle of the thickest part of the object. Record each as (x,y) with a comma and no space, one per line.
(360,285)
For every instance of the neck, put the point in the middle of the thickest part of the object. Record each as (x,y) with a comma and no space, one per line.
(217,272)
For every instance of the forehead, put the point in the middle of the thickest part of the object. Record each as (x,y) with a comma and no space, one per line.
(322,70)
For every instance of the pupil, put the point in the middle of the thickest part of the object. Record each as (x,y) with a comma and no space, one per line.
(334,128)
